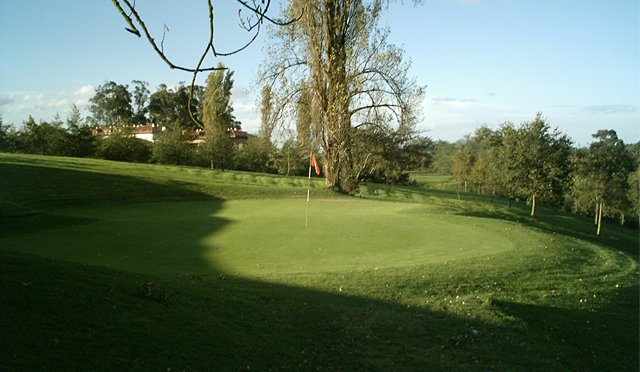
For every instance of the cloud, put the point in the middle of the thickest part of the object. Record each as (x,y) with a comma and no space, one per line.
(610,109)
(492,94)
(18,106)
(244,109)
(440,99)
(82,95)
(6,99)
(444,100)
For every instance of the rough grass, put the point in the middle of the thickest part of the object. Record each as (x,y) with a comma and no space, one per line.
(538,294)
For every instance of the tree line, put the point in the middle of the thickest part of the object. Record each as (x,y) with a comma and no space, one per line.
(538,164)
(178,114)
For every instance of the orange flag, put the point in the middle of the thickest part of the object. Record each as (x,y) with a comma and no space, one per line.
(314,163)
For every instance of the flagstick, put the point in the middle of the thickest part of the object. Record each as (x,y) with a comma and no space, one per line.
(306,216)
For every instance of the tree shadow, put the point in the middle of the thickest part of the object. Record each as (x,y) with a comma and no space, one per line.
(586,339)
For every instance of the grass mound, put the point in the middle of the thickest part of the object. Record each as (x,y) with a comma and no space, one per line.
(115,266)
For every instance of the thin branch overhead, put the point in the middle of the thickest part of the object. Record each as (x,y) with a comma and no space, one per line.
(250,23)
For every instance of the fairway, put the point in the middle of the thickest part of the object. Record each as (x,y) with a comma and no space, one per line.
(262,236)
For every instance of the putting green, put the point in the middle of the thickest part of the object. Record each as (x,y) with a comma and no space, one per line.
(253,237)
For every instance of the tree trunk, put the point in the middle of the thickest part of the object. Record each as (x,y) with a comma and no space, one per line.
(600,217)
(465,186)
(595,220)
(533,206)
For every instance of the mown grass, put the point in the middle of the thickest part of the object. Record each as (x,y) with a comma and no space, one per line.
(537,294)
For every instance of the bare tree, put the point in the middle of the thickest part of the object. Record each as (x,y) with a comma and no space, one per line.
(336,58)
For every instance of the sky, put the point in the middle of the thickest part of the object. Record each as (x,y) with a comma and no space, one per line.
(484,62)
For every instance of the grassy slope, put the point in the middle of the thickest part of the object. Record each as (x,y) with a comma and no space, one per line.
(557,302)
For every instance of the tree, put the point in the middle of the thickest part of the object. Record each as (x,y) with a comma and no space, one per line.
(443,156)
(218,117)
(537,161)
(7,137)
(80,141)
(257,155)
(634,193)
(267,122)
(140,101)
(420,152)
(170,106)
(355,79)
(217,109)
(463,162)
(491,167)
(41,138)
(124,146)
(172,147)
(601,179)
(111,106)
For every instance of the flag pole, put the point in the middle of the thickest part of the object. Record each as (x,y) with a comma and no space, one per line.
(306,216)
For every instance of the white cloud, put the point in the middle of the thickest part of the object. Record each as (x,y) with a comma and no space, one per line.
(441,99)
(245,109)
(6,99)
(610,109)
(16,107)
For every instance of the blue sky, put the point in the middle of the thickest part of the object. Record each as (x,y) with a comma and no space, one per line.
(484,62)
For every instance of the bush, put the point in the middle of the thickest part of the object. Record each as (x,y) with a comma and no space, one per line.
(256,156)
(172,147)
(121,146)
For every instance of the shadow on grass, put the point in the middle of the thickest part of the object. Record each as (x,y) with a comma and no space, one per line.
(582,339)
(64,316)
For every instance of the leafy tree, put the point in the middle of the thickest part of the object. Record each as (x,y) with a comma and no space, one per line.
(292,159)
(172,147)
(217,108)
(256,156)
(7,137)
(80,141)
(140,101)
(381,152)
(601,179)
(537,161)
(111,106)
(170,106)
(124,146)
(491,168)
(634,193)
(355,79)
(443,156)
(267,122)
(217,150)
(42,138)
(218,117)
(420,153)
(463,162)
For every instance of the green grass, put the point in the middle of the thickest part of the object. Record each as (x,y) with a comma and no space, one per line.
(434,180)
(115,266)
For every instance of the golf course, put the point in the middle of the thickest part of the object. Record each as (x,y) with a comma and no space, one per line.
(113,266)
